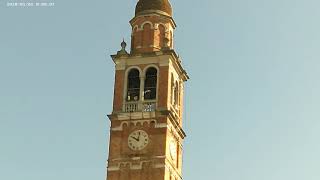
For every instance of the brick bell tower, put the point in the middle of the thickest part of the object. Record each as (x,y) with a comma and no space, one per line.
(146,132)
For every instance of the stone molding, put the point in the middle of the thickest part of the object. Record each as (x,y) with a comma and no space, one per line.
(136,122)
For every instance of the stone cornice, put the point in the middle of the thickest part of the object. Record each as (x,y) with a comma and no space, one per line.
(174,57)
(155,13)
(175,123)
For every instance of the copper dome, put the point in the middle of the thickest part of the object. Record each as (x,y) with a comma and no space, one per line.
(145,6)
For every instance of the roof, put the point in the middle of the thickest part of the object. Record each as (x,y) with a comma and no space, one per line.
(147,6)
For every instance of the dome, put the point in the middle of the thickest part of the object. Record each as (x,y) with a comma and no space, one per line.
(144,6)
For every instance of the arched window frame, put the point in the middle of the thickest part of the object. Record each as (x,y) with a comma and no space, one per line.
(155,87)
(146,33)
(172,89)
(132,90)
(171,38)
(161,34)
(147,22)
(135,28)
(176,93)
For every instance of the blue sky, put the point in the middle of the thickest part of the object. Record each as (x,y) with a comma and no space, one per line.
(252,104)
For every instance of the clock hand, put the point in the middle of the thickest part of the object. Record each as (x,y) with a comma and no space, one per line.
(139,137)
(134,138)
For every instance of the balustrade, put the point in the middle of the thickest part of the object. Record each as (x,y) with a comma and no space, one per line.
(147,106)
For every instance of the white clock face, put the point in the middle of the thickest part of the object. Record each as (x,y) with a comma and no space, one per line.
(173,149)
(138,140)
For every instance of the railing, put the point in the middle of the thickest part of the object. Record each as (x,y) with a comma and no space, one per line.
(147,106)
(131,107)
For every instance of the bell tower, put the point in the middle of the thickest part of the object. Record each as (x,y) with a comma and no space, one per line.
(146,133)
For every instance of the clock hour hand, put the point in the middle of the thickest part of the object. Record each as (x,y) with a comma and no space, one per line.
(137,139)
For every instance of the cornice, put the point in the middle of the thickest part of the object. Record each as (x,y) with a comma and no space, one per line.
(154,13)
(175,123)
(177,63)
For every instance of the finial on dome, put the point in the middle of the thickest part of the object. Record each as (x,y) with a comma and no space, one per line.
(123,45)
(123,48)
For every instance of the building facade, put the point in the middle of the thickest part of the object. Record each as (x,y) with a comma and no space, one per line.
(146,132)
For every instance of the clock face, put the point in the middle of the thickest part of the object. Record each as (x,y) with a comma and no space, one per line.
(173,149)
(138,140)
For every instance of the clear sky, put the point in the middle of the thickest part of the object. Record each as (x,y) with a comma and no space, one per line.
(252,104)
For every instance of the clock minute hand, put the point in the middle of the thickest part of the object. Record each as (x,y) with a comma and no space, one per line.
(139,137)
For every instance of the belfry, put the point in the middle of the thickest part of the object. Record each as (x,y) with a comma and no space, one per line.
(146,133)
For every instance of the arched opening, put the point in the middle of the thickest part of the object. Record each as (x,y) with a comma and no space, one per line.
(133,92)
(176,94)
(162,33)
(172,89)
(146,35)
(133,37)
(150,84)
(135,28)
(171,39)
